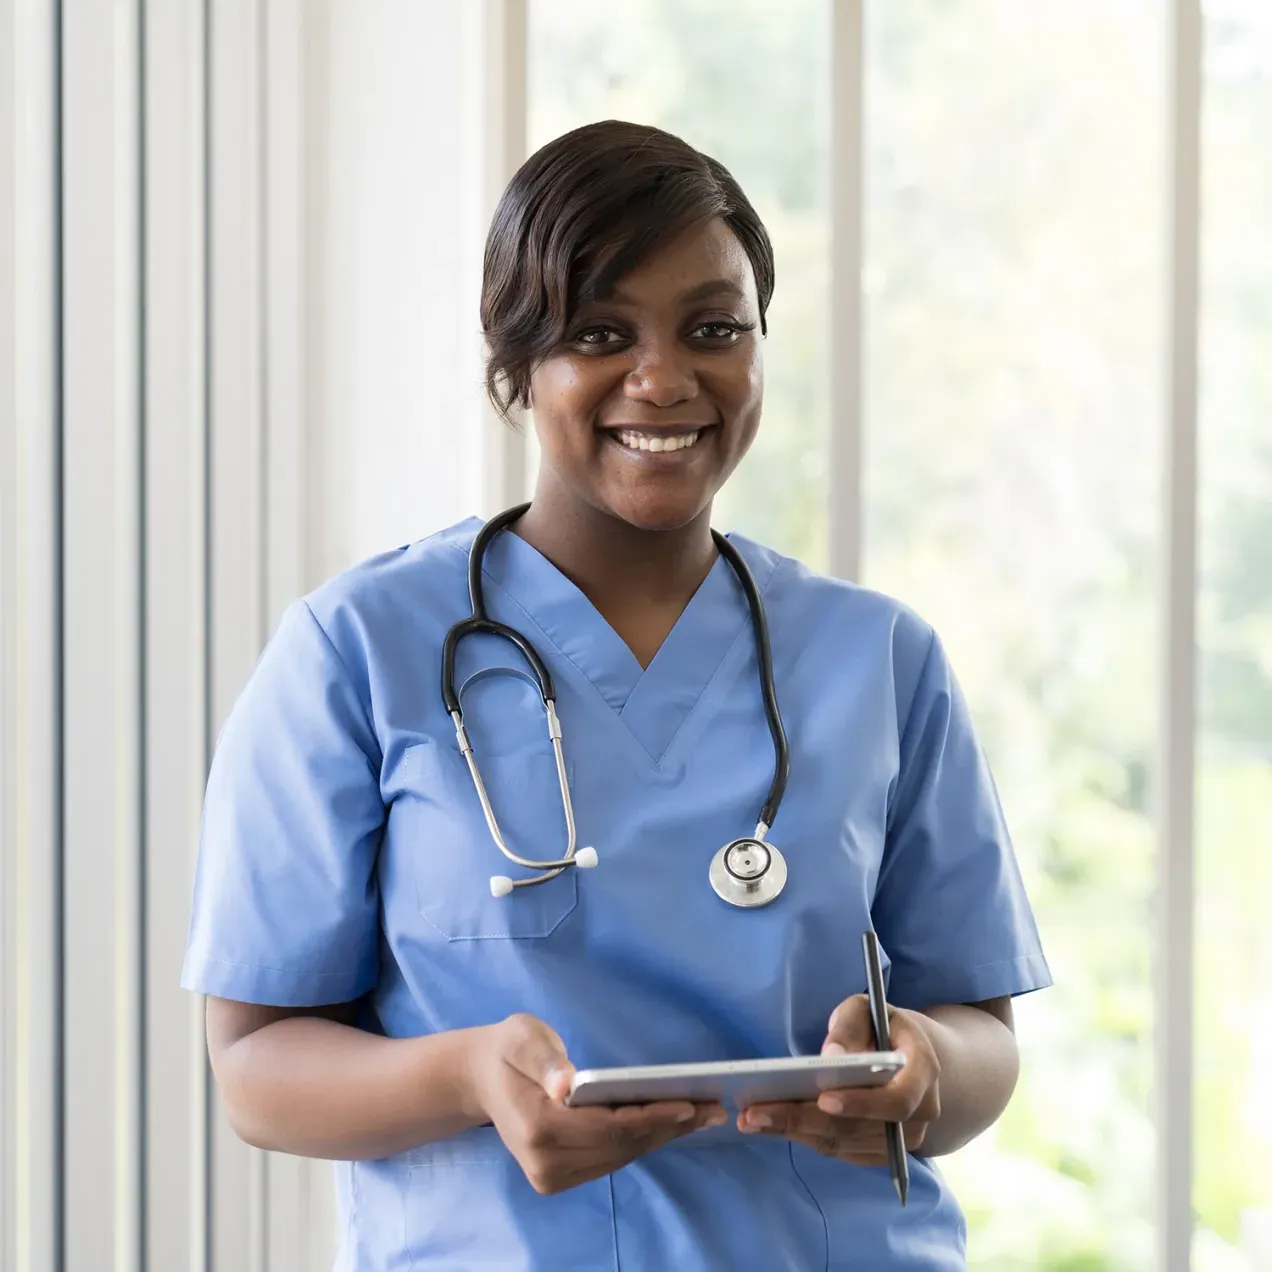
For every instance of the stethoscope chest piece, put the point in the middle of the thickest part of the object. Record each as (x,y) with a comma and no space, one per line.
(748,872)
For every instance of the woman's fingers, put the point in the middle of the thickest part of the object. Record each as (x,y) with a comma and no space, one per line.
(631,1124)
(912,1095)
(564,1147)
(858,1140)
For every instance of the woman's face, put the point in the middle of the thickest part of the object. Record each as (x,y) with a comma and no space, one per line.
(655,394)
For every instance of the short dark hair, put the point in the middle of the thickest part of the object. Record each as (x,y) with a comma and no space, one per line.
(578,215)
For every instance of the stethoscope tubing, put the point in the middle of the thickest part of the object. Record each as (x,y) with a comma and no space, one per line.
(479,621)
(768,690)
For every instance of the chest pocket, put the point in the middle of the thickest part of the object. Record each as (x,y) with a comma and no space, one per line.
(439,825)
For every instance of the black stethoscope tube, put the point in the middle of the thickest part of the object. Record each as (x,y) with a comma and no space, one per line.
(480,621)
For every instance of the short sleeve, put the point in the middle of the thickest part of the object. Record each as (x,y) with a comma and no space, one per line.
(286,910)
(950,908)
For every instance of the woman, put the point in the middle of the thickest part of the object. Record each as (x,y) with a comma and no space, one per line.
(372,1001)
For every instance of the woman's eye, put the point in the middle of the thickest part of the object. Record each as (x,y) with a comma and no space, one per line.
(718,332)
(598,337)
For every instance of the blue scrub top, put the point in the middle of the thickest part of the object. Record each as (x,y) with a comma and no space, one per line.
(344,853)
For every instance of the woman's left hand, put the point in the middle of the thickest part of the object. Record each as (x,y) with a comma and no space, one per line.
(849,1124)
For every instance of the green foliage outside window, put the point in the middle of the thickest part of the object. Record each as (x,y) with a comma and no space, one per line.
(1014,376)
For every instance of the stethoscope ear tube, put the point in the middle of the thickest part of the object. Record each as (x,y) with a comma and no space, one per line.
(479,621)
(477,554)
(450,647)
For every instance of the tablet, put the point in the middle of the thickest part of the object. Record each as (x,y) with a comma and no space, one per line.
(739,1083)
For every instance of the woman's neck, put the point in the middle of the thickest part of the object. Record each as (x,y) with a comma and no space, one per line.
(604,556)
(639,580)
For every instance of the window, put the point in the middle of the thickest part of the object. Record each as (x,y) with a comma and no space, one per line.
(746,82)
(1013,290)
(1232,1182)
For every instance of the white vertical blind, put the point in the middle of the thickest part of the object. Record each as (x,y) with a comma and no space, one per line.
(182,186)
(236,499)
(30,639)
(298,1205)
(175,621)
(102,563)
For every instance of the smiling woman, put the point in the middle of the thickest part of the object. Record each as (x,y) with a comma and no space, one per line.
(376,997)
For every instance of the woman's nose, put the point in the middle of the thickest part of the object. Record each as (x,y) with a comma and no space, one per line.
(663,376)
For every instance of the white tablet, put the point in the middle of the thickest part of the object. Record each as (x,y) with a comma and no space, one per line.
(739,1083)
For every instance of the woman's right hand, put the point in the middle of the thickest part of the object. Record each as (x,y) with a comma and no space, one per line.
(521,1074)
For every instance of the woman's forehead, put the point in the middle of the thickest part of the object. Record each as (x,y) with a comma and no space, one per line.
(705,262)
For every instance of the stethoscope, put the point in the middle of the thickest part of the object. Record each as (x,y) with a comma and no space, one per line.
(746,872)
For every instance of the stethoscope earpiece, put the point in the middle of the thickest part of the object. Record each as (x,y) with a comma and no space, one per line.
(584,859)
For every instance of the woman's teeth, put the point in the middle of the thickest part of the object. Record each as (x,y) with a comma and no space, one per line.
(657,441)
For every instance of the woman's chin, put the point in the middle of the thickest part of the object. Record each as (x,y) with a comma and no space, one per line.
(659,509)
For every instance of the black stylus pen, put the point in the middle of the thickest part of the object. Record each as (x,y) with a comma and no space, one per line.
(883,1040)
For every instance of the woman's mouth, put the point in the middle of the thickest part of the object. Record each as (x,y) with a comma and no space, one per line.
(670,444)
(656,442)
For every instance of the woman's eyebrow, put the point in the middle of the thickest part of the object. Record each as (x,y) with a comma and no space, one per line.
(712,288)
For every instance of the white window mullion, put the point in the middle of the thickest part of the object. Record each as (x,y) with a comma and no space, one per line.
(496,34)
(847,209)
(1176,765)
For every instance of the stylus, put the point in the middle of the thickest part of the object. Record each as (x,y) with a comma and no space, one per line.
(883,1040)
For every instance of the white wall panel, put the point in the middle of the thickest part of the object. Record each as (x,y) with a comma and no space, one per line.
(176,615)
(102,567)
(395,397)
(237,526)
(30,640)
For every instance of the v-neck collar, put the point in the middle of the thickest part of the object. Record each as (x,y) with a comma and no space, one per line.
(654,702)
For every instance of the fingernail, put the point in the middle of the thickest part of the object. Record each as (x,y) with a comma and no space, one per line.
(687,1116)
(834,1049)
(832,1104)
(760,1119)
(557,1080)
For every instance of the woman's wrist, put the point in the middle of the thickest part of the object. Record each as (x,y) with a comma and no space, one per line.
(454,1071)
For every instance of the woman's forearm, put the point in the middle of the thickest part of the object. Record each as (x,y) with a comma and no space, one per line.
(979,1066)
(318,1088)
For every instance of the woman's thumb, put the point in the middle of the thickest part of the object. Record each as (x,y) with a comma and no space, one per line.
(538,1053)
